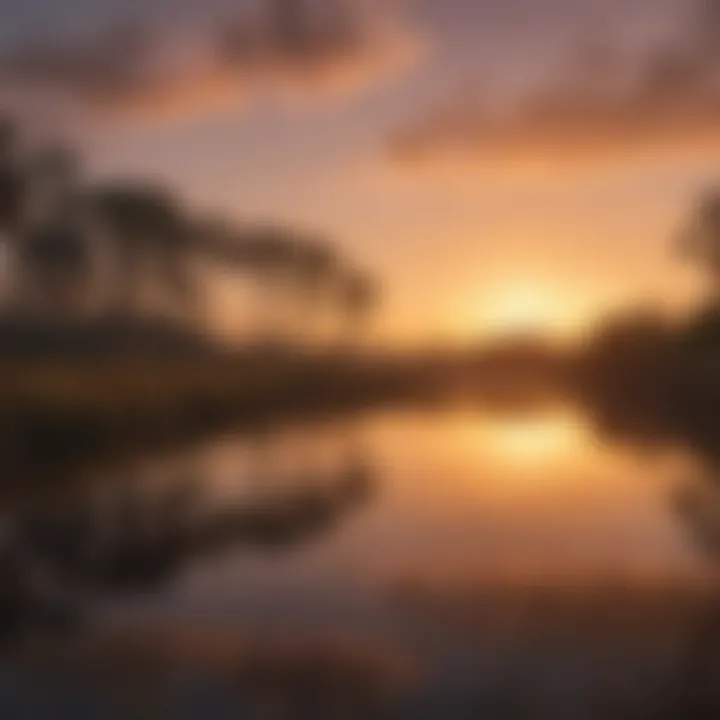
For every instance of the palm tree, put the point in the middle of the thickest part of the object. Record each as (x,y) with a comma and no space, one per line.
(50,252)
(151,245)
(268,255)
(57,268)
(291,272)
(313,269)
(63,250)
(153,248)
(359,296)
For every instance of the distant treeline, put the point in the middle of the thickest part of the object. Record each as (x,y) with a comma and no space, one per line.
(103,280)
(649,374)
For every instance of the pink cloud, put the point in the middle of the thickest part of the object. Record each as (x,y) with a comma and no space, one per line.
(328,45)
(604,107)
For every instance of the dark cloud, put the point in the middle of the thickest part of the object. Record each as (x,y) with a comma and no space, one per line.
(293,37)
(174,68)
(114,66)
(605,102)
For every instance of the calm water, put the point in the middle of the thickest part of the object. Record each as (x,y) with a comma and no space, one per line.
(446,565)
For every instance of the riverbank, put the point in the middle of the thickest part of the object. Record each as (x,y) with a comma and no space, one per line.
(638,377)
(61,408)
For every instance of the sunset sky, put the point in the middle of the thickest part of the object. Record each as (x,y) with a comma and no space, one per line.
(497,163)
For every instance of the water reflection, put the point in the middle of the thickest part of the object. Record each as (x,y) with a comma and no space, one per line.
(135,527)
(534,439)
(698,505)
(505,566)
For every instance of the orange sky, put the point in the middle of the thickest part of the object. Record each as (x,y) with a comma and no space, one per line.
(519,164)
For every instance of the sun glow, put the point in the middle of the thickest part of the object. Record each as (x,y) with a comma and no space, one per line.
(527,308)
(533,439)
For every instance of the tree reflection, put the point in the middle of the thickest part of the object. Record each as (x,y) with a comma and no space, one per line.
(698,505)
(123,533)
(688,422)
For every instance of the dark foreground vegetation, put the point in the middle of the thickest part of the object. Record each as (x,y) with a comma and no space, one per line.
(639,374)
(66,409)
(106,312)
(655,378)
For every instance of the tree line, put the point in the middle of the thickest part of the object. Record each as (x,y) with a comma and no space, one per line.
(130,249)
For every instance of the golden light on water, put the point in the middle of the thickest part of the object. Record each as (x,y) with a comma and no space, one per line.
(524,444)
(534,439)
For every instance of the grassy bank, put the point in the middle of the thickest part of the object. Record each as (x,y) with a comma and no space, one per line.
(52,411)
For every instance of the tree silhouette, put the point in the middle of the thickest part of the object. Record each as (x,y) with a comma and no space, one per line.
(57,268)
(151,244)
(56,252)
(293,272)
(700,241)
(359,296)
(12,182)
(137,250)
(313,269)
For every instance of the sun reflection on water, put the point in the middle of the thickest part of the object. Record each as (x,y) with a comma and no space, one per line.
(533,440)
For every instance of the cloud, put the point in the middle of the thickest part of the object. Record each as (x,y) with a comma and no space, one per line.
(605,104)
(151,69)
